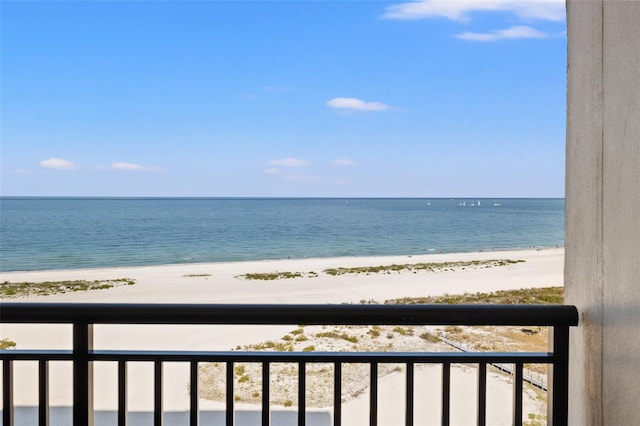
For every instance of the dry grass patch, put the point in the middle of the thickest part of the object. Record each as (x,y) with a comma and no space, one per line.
(270,276)
(428,267)
(525,296)
(9,290)
(7,344)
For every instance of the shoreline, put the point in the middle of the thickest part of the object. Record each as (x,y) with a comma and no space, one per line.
(434,257)
(429,253)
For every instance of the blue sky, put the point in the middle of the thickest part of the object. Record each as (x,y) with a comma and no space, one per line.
(454,98)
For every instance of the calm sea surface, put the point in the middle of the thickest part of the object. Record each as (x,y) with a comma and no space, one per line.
(68,233)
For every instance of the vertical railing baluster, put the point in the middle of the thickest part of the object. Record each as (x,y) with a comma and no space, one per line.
(302,386)
(122,392)
(7,392)
(373,396)
(230,396)
(482,394)
(193,397)
(82,374)
(517,394)
(446,393)
(157,393)
(558,382)
(337,393)
(43,392)
(266,409)
(409,395)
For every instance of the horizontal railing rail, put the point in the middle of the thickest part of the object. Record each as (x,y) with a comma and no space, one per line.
(109,313)
(84,316)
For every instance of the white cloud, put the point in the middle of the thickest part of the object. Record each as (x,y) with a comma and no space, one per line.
(272,171)
(509,33)
(291,174)
(132,167)
(356,104)
(58,164)
(461,10)
(288,162)
(343,162)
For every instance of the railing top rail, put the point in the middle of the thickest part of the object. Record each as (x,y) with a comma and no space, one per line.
(274,356)
(287,314)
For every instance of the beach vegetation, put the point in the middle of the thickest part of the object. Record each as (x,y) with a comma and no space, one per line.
(270,344)
(240,369)
(270,276)
(301,338)
(309,348)
(404,331)
(288,403)
(535,420)
(382,269)
(196,275)
(428,267)
(298,331)
(430,337)
(47,288)
(333,334)
(7,344)
(287,338)
(374,331)
(527,296)
(244,378)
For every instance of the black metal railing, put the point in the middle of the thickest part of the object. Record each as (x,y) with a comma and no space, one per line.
(82,355)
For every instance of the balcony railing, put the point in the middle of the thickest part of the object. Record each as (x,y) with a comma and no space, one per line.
(84,316)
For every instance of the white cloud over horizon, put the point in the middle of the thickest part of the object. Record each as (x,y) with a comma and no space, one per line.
(356,104)
(285,167)
(57,164)
(133,167)
(343,162)
(461,10)
(517,32)
(288,162)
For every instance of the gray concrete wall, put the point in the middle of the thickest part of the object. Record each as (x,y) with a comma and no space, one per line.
(602,266)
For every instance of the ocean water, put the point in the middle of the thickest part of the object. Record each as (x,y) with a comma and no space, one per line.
(70,233)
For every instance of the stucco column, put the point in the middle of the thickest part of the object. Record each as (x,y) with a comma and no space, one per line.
(602,267)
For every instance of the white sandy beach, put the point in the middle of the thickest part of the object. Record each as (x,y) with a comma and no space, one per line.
(170,284)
